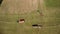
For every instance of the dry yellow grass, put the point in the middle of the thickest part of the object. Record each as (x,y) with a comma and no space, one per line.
(21,6)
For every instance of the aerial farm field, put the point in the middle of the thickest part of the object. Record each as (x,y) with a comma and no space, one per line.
(43,12)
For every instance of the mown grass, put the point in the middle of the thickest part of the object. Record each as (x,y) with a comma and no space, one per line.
(10,26)
(54,12)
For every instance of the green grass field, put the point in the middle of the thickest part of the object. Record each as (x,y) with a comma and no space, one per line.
(50,20)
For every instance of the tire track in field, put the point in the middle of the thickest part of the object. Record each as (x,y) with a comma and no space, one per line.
(43,10)
(42,6)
